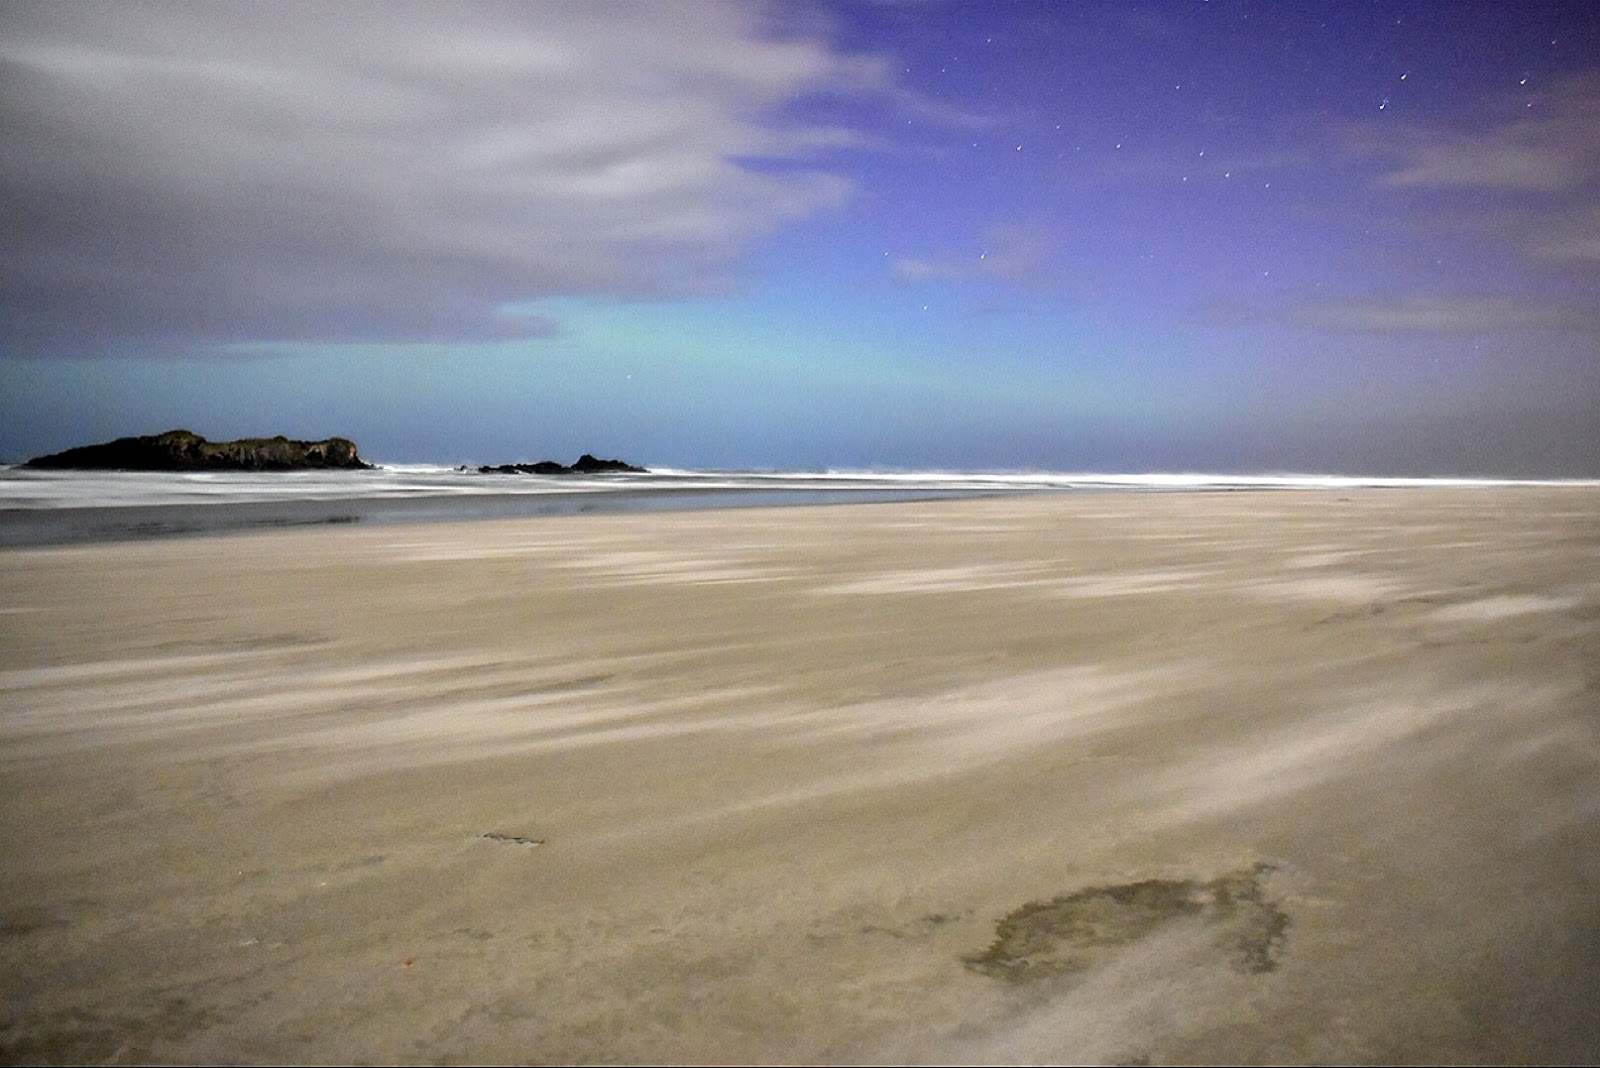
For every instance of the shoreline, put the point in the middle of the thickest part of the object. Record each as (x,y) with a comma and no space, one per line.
(62,508)
(40,528)
(21,528)
(784,785)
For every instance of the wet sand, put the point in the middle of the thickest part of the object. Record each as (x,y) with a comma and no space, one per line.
(1281,776)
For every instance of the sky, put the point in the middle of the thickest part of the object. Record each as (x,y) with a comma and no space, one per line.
(1346,237)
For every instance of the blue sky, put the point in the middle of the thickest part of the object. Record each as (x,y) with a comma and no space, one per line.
(1227,236)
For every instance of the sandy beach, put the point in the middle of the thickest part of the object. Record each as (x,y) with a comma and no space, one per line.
(1298,776)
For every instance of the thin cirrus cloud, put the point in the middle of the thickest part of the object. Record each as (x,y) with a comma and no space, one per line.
(1525,177)
(1551,145)
(221,172)
(1015,255)
(1530,172)
(1445,315)
(1573,240)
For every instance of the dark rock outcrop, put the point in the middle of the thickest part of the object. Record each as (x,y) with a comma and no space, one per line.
(180,450)
(543,467)
(586,465)
(589,465)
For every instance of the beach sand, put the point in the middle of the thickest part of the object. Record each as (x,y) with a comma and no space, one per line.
(1298,776)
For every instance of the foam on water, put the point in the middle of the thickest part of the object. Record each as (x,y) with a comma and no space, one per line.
(50,507)
(22,488)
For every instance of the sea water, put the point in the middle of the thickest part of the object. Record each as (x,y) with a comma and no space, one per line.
(61,507)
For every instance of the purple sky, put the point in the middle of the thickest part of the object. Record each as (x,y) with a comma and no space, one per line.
(1230,236)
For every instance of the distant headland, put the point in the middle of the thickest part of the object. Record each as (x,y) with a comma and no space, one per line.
(586,465)
(181,450)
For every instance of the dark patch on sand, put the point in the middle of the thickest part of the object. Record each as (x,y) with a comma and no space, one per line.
(572,685)
(1070,933)
(129,1034)
(919,927)
(510,839)
(20,922)
(243,643)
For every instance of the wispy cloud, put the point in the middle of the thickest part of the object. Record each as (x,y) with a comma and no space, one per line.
(1013,254)
(1444,315)
(238,171)
(1528,174)
(1551,144)
(1573,239)
(1457,314)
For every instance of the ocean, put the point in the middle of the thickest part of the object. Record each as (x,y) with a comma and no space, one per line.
(68,507)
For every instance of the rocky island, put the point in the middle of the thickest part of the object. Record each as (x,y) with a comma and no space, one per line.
(181,450)
(585,465)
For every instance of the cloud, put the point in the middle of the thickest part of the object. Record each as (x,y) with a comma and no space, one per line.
(1572,239)
(1016,255)
(1457,314)
(1550,144)
(1445,315)
(237,171)
(1528,175)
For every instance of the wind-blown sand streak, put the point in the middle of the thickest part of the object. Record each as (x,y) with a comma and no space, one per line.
(1299,776)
